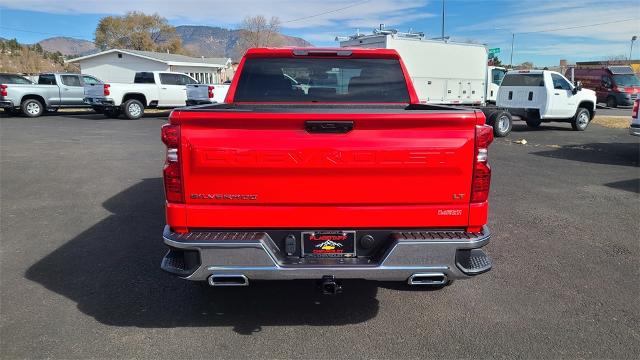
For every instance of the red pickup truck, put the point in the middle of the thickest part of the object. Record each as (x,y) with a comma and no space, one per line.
(322,164)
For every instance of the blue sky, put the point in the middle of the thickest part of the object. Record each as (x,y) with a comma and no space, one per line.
(487,22)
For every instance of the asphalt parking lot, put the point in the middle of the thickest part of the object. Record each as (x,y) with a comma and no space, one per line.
(620,111)
(82,214)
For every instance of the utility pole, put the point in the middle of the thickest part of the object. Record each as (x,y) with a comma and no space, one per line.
(513,38)
(442,20)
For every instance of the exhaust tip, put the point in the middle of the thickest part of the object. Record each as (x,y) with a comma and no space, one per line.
(228,280)
(428,279)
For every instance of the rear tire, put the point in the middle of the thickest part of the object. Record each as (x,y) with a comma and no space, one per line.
(32,108)
(611,102)
(133,109)
(502,123)
(581,120)
(112,113)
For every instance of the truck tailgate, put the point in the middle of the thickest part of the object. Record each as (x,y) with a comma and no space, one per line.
(262,169)
(197,92)
(94,90)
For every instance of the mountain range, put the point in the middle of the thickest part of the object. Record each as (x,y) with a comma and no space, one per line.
(208,41)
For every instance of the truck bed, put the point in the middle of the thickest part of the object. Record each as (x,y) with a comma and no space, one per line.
(328,108)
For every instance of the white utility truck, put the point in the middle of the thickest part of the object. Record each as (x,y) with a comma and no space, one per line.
(150,89)
(542,96)
(443,72)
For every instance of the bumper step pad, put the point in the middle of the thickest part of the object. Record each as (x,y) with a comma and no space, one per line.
(473,262)
(180,262)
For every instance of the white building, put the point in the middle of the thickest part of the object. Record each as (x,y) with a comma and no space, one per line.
(118,65)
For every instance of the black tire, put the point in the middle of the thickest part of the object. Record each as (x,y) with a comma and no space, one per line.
(112,112)
(611,102)
(502,123)
(31,108)
(581,120)
(98,109)
(133,109)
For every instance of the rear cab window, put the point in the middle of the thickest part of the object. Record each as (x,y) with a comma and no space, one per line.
(330,79)
(523,80)
(144,78)
(47,79)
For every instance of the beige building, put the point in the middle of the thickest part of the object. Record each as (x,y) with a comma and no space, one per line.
(120,65)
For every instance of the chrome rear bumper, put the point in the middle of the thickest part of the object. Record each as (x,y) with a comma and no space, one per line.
(254,255)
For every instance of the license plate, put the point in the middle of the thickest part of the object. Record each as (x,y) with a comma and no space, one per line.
(329,243)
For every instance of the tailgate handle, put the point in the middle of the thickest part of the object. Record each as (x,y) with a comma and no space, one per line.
(334,127)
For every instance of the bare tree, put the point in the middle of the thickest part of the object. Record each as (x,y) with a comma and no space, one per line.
(527,65)
(256,31)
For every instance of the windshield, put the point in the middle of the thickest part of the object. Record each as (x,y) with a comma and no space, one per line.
(497,75)
(322,79)
(13,79)
(626,80)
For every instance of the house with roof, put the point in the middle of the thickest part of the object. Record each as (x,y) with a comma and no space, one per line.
(120,65)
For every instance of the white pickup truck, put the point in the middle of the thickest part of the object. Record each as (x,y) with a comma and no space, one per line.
(542,96)
(200,94)
(152,89)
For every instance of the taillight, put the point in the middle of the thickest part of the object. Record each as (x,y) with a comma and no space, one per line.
(621,89)
(3,90)
(210,92)
(634,112)
(481,170)
(172,172)
(106,90)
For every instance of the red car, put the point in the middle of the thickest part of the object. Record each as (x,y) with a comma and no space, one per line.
(352,178)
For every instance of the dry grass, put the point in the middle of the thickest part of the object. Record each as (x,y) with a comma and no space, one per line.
(616,122)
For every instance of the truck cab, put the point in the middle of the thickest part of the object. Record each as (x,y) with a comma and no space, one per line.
(495,75)
(543,96)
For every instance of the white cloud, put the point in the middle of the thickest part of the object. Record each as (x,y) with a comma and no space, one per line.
(578,50)
(526,17)
(230,13)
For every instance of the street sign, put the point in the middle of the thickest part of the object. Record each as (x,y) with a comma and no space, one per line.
(493,52)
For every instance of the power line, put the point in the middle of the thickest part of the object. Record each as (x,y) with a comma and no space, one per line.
(326,12)
(576,27)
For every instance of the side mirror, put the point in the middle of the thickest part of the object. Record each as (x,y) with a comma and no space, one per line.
(577,87)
